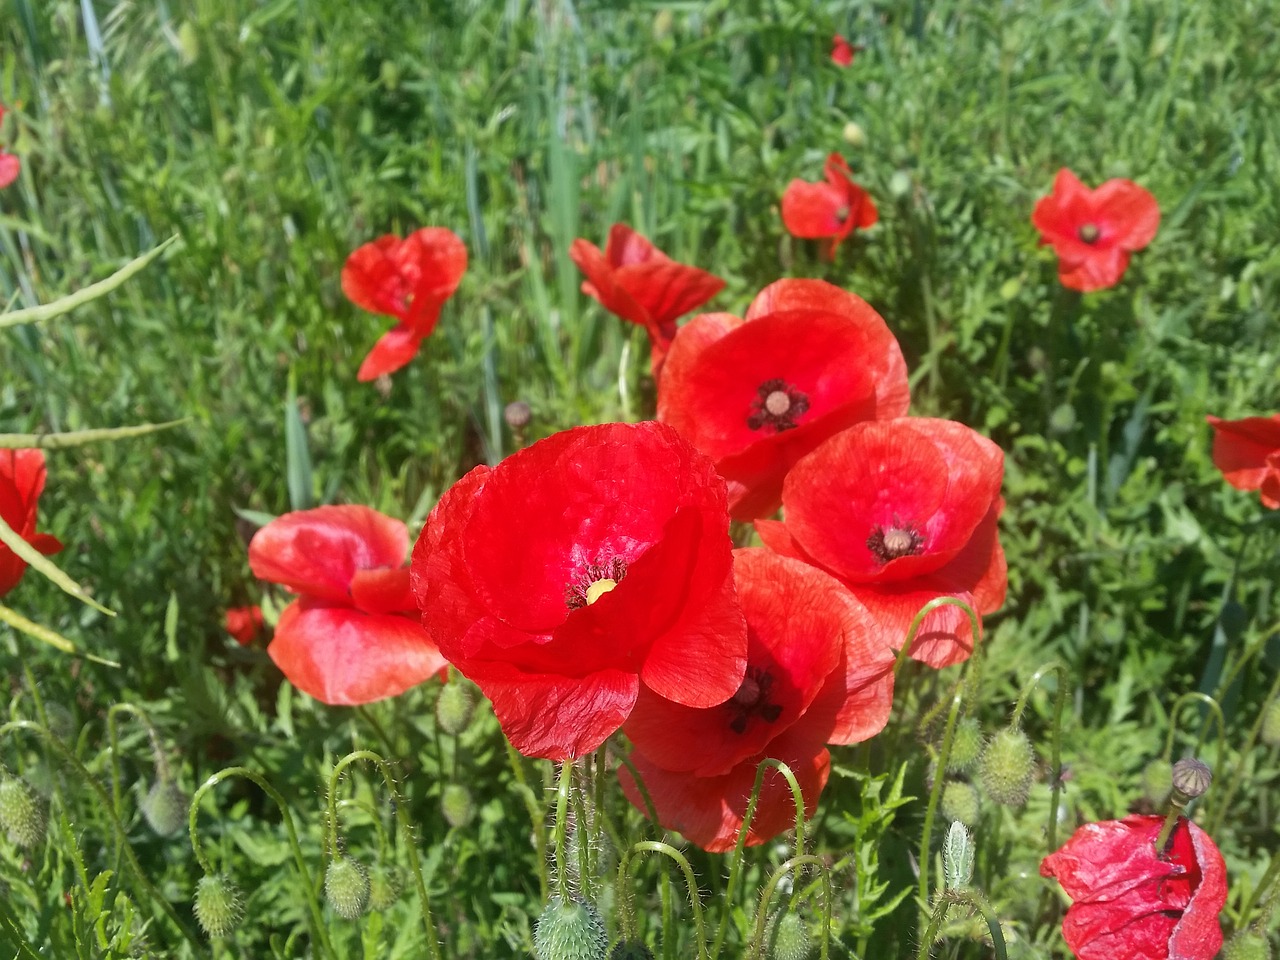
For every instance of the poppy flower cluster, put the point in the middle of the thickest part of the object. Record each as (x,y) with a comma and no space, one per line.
(10,165)
(22,478)
(829,210)
(353,635)
(1247,452)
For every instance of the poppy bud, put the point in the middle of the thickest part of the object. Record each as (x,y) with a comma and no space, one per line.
(455,803)
(960,802)
(218,906)
(454,706)
(1248,944)
(384,887)
(966,746)
(957,857)
(517,413)
(1007,765)
(787,938)
(570,930)
(20,814)
(631,950)
(346,887)
(165,807)
(854,135)
(900,183)
(1271,724)
(1157,781)
(1191,777)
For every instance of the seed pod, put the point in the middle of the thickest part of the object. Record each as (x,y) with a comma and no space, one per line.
(456,805)
(165,807)
(1191,777)
(218,907)
(20,813)
(1157,781)
(960,802)
(346,887)
(966,746)
(570,930)
(454,706)
(1007,766)
(787,938)
(384,887)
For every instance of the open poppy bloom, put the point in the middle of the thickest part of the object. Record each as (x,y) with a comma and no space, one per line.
(354,634)
(408,279)
(843,52)
(22,476)
(9,164)
(1248,454)
(832,209)
(578,569)
(636,281)
(1134,902)
(757,394)
(1094,231)
(244,623)
(902,512)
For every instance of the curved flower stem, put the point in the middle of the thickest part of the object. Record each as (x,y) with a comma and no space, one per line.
(1220,808)
(318,932)
(121,835)
(1214,708)
(650,810)
(904,652)
(1259,893)
(691,883)
(1253,650)
(936,920)
(563,785)
(161,763)
(1059,705)
(974,899)
(534,809)
(406,829)
(762,914)
(935,794)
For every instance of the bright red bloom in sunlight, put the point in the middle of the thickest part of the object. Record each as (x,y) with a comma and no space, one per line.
(1248,454)
(1094,231)
(22,476)
(757,394)
(244,623)
(636,281)
(354,634)
(902,512)
(408,279)
(843,52)
(579,569)
(833,209)
(1134,902)
(9,167)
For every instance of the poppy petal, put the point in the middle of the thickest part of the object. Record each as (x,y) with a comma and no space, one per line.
(394,349)
(10,167)
(810,210)
(1242,448)
(602,285)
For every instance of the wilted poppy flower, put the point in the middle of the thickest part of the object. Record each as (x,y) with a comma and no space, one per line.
(9,164)
(1248,454)
(842,51)
(636,281)
(577,569)
(1134,902)
(408,279)
(902,512)
(244,623)
(354,634)
(22,476)
(833,209)
(1094,231)
(757,394)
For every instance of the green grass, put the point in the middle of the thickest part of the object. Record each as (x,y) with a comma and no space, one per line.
(274,138)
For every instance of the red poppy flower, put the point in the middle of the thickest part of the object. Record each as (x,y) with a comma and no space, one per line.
(902,511)
(636,281)
(843,52)
(22,476)
(757,394)
(408,279)
(577,568)
(244,623)
(833,209)
(1248,454)
(9,164)
(354,634)
(1134,902)
(1094,231)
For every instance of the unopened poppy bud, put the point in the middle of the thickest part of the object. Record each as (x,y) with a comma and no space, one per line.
(854,135)
(1157,781)
(384,887)
(900,183)
(1248,944)
(218,907)
(966,746)
(455,803)
(570,930)
(787,938)
(1007,766)
(1271,724)
(631,950)
(346,887)
(960,802)
(165,807)
(1191,777)
(454,706)
(517,413)
(20,814)
(957,857)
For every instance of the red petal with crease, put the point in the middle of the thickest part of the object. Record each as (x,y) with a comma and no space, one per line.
(1247,451)
(394,349)
(22,479)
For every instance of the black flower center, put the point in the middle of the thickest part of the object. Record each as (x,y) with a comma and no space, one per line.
(1088,233)
(594,582)
(898,540)
(752,699)
(777,405)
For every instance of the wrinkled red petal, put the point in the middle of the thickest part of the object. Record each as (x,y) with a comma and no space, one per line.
(22,479)
(394,349)
(810,210)
(1096,272)
(406,278)
(668,290)
(10,167)
(317,552)
(624,247)
(244,623)
(343,656)
(1242,450)
(857,698)
(603,286)
(384,590)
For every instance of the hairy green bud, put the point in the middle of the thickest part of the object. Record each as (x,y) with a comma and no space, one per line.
(1271,724)
(20,815)
(456,804)
(1157,781)
(960,802)
(957,856)
(165,807)
(1248,944)
(787,938)
(346,887)
(1008,763)
(218,907)
(384,887)
(455,705)
(570,930)
(966,746)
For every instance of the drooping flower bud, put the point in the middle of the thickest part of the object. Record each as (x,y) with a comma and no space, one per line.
(218,906)
(454,706)
(1157,781)
(384,887)
(165,807)
(455,803)
(20,815)
(966,746)
(960,802)
(1007,766)
(787,938)
(570,930)
(346,887)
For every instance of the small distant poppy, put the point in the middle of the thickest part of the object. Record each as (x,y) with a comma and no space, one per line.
(636,281)
(1248,454)
(9,164)
(576,570)
(244,623)
(354,634)
(1094,231)
(757,394)
(832,209)
(1135,902)
(408,279)
(22,477)
(843,52)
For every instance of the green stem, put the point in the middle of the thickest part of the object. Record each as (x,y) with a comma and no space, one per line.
(1059,705)
(1216,710)
(691,884)
(762,914)
(935,794)
(904,652)
(563,785)
(534,809)
(1259,893)
(1238,772)
(936,920)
